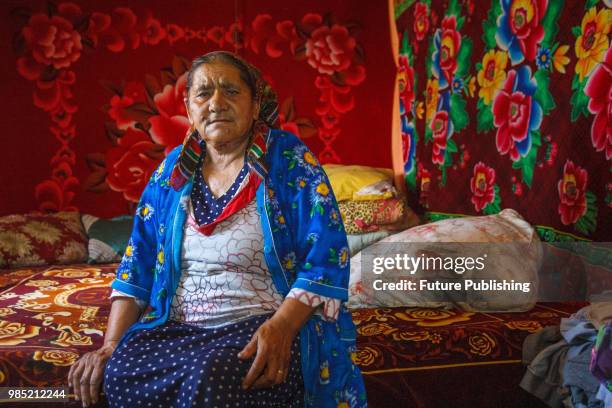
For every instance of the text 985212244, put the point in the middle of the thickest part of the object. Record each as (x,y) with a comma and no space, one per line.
(33,394)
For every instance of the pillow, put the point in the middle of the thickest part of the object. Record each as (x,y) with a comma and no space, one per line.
(369,216)
(108,238)
(42,239)
(360,183)
(518,262)
(357,242)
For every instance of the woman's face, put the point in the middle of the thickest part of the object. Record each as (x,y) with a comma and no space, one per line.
(220,104)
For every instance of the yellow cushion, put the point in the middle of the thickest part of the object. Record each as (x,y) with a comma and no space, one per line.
(360,183)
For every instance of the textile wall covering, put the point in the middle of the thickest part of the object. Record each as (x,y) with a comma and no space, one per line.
(92,91)
(506,104)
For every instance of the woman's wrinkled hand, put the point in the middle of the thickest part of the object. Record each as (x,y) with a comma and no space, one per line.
(86,375)
(271,345)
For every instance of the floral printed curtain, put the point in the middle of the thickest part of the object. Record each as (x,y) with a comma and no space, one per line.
(94,90)
(506,104)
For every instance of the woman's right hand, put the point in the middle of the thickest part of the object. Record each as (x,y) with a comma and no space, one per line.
(86,375)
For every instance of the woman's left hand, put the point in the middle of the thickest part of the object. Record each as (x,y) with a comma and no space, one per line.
(272,343)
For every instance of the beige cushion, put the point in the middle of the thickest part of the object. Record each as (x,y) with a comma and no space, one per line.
(517,260)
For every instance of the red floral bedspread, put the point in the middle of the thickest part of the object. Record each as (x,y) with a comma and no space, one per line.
(411,357)
(439,358)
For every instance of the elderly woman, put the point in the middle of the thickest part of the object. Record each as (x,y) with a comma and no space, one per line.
(231,289)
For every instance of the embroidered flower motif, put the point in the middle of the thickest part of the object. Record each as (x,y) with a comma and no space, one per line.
(58,358)
(324,372)
(320,194)
(52,40)
(69,338)
(405,78)
(289,261)
(348,398)
(42,231)
(130,164)
(442,129)
(433,317)
(15,244)
(516,113)
(160,255)
(343,257)
(543,58)
(159,171)
(482,185)
(133,92)
(130,251)
(530,326)
(431,99)
(300,182)
(560,60)
(519,28)
(145,212)
(435,338)
(418,335)
(375,328)
(481,344)
(492,74)
(334,217)
(366,356)
(124,273)
(330,49)
(447,42)
(421,21)
(457,85)
(170,125)
(572,193)
(14,333)
(599,89)
(302,157)
(592,44)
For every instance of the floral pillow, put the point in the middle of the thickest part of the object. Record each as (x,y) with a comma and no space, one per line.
(42,239)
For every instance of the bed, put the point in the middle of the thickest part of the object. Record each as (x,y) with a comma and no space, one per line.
(49,315)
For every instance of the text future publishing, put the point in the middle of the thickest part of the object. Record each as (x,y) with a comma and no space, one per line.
(467,285)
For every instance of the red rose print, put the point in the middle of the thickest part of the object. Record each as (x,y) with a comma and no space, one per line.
(482,186)
(599,89)
(52,40)
(169,127)
(421,21)
(330,50)
(572,193)
(440,128)
(132,93)
(151,30)
(174,33)
(516,113)
(289,126)
(131,163)
(406,82)
(519,28)
(449,46)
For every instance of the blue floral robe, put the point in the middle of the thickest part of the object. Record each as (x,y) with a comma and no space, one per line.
(304,247)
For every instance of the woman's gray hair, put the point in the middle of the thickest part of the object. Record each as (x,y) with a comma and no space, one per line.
(261,91)
(246,72)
